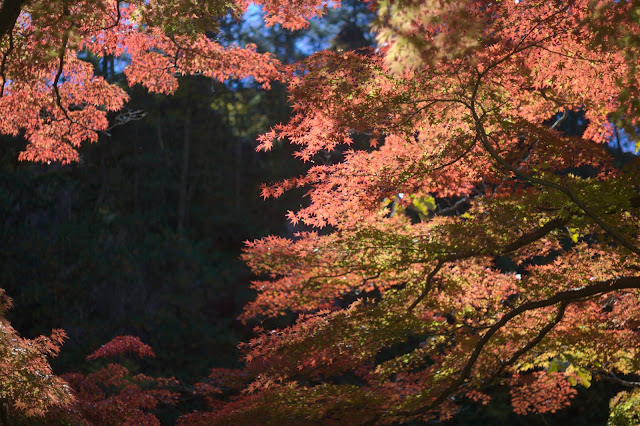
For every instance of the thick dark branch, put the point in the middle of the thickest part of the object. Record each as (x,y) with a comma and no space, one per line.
(452,208)
(563,297)
(611,377)
(527,239)
(61,54)
(3,65)
(536,234)
(524,240)
(116,22)
(56,80)
(9,15)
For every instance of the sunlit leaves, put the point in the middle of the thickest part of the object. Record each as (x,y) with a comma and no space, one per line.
(456,116)
(624,409)
(463,104)
(51,97)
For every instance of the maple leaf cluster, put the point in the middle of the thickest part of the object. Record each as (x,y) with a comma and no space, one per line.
(51,96)
(462,104)
(113,394)
(123,344)
(26,378)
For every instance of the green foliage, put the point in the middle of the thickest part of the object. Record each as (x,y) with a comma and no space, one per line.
(625,409)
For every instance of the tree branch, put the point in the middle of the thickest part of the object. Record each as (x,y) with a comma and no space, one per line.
(563,297)
(427,286)
(553,224)
(9,15)
(3,65)
(524,240)
(611,377)
(484,139)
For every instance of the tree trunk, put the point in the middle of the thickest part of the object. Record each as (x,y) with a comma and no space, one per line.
(4,412)
(184,175)
(104,181)
(9,14)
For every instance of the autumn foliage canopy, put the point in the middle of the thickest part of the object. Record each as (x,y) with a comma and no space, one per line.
(429,159)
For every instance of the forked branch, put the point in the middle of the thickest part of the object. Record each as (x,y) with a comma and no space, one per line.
(563,298)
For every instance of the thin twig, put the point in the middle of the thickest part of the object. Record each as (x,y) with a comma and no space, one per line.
(427,286)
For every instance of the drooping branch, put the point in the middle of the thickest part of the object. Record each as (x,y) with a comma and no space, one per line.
(564,298)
